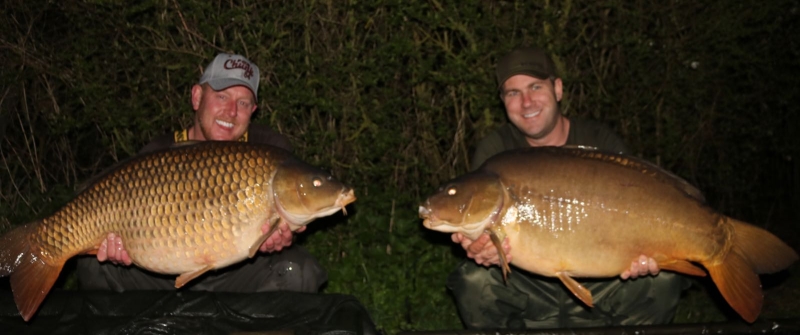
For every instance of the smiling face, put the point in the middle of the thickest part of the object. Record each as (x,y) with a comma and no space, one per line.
(221,115)
(532,106)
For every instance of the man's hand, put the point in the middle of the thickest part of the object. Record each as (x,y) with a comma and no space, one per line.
(642,267)
(280,238)
(112,250)
(482,250)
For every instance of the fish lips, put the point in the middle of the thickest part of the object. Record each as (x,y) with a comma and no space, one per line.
(429,219)
(433,222)
(296,220)
(472,229)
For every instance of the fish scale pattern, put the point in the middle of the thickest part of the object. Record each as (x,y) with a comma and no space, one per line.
(175,210)
(186,210)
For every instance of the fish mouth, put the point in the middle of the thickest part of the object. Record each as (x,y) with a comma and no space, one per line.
(429,219)
(424,212)
(346,197)
(470,230)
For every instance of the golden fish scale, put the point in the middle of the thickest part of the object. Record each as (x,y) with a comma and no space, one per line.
(559,238)
(174,210)
(571,213)
(626,218)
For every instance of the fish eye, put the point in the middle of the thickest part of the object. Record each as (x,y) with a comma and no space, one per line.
(452,191)
(316,182)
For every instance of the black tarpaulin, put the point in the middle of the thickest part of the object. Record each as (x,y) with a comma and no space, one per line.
(188,312)
(774,327)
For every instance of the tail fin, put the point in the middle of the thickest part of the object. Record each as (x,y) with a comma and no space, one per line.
(31,276)
(739,284)
(754,251)
(765,252)
(13,245)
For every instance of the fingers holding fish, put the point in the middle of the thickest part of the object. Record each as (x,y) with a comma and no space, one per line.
(102,251)
(281,238)
(117,253)
(482,250)
(113,250)
(652,266)
(641,267)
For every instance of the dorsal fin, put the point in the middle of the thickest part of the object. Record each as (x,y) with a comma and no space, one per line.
(184,144)
(638,164)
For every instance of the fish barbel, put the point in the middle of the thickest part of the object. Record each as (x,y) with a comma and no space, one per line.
(572,212)
(185,210)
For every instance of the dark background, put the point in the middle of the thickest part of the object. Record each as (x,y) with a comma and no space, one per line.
(392,97)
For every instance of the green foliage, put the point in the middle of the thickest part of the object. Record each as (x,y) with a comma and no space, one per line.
(393,95)
(394,267)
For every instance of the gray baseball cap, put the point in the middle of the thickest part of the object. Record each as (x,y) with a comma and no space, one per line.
(534,62)
(231,70)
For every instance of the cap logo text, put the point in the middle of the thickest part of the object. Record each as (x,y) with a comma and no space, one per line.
(239,64)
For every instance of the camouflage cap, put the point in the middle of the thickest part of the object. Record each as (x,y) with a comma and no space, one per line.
(534,62)
(231,70)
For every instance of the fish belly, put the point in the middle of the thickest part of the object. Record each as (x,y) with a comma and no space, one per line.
(602,242)
(193,246)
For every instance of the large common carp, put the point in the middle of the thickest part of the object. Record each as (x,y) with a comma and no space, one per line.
(185,210)
(571,212)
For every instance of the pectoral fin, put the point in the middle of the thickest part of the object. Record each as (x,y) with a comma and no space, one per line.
(576,288)
(273,226)
(498,243)
(186,277)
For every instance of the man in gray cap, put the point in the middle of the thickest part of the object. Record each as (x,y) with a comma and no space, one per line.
(223,100)
(531,89)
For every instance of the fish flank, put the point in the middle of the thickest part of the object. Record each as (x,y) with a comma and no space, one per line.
(589,214)
(173,209)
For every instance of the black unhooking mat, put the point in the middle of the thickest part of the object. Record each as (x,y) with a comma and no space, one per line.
(188,312)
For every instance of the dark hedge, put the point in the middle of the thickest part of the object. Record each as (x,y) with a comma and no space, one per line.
(392,96)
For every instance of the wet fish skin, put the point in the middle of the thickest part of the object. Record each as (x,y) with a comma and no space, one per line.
(183,211)
(583,213)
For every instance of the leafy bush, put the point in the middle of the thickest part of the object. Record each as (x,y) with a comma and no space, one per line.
(393,95)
